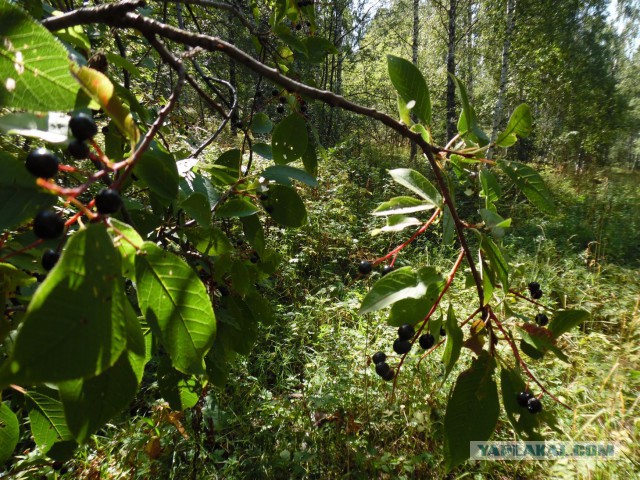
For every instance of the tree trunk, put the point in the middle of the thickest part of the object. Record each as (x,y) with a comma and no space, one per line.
(451,68)
(504,72)
(414,54)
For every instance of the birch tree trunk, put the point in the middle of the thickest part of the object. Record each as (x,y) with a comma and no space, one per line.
(415,45)
(451,68)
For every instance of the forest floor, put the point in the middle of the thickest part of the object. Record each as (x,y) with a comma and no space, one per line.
(307,403)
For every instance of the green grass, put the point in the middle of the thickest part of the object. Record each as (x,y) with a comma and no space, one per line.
(307,404)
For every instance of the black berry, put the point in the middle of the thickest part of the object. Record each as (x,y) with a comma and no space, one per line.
(382,368)
(224,291)
(523,399)
(299,26)
(426,341)
(282,100)
(49,259)
(406,332)
(401,346)
(536,295)
(268,209)
(280,109)
(542,319)
(78,149)
(254,258)
(48,225)
(443,332)
(533,287)
(42,163)
(389,375)
(239,242)
(264,197)
(387,269)
(108,201)
(365,267)
(534,405)
(275,92)
(82,126)
(378,357)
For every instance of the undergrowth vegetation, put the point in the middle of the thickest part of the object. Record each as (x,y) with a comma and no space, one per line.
(307,403)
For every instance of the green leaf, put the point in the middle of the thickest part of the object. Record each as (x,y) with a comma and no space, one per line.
(523,422)
(286,206)
(20,197)
(179,390)
(424,133)
(472,411)
(397,223)
(495,223)
(418,184)
(261,123)
(48,424)
(403,112)
(211,241)
(75,325)
(565,320)
(226,168)
(530,183)
(491,190)
(118,61)
(402,206)
(236,207)
(400,284)
(127,240)
(411,86)
(90,403)
(264,150)
(52,127)
(254,233)
(448,226)
(468,125)
(238,325)
(158,169)
(283,173)
(100,89)
(519,126)
(318,48)
(496,260)
(33,65)
(176,306)
(454,342)
(197,207)
(289,141)
(9,432)
(413,310)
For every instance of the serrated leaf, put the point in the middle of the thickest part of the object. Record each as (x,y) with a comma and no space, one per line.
(261,123)
(424,133)
(318,48)
(90,403)
(286,207)
(9,432)
(236,207)
(417,183)
(454,342)
(530,183)
(52,127)
(519,126)
(254,233)
(468,125)
(411,86)
(127,240)
(397,223)
(448,226)
(99,88)
(197,207)
(404,112)
(565,320)
(264,150)
(118,61)
(226,169)
(403,283)
(20,197)
(75,325)
(176,306)
(179,390)
(33,65)
(491,190)
(238,326)
(496,260)
(402,206)
(158,169)
(472,411)
(523,422)
(283,173)
(48,424)
(289,141)
(494,222)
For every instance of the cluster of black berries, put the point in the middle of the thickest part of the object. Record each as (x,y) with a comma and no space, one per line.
(534,290)
(83,128)
(402,344)
(382,367)
(42,163)
(365,267)
(528,401)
